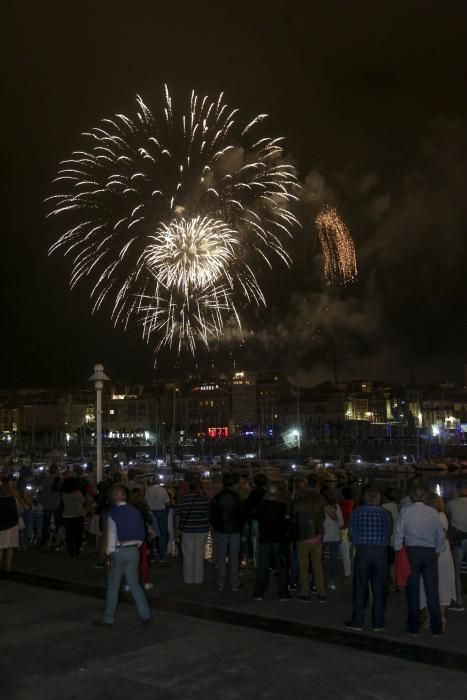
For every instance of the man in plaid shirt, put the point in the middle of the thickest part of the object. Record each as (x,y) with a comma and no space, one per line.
(370,530)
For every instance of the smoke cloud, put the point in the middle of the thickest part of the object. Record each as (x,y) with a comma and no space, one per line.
(407,306)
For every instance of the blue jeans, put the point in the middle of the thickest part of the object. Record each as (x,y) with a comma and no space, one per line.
(163,525)
(227,543)
(126,564)
(423,564)
(370,569)
(459,554)
(333,551)
(272,554)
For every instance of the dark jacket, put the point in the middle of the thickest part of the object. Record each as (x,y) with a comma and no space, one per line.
(8,512)
(252,503)
(226,512)
(272,521)
(51,492)
(307,516)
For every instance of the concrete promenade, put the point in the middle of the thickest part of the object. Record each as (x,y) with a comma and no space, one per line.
(313,621)
(49,650)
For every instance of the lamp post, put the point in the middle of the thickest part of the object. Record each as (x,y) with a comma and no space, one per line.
(99,377)
(296,434)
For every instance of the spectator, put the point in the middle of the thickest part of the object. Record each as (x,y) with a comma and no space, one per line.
(172,494)
(37,513)
(9,529)
(369,531)
(227,518)
(251,511)
(125,533)
(446,574)
(307,524)
(192,519)
(457,515)
(333,522)
(131,479)
(391,506)
(26,503)
(347,506)
(50,499)
(158,499)
(419,528)
(298,486)
(272,550)
(137,500)
(242,487)
(73,515)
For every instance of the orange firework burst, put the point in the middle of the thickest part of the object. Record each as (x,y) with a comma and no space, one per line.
(340,262)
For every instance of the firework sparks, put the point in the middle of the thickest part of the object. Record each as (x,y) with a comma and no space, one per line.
(176,213)
(340,262)
(191,254)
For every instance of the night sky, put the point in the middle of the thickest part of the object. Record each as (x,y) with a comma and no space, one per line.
(372,100)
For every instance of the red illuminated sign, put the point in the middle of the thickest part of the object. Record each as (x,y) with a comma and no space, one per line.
(218,432)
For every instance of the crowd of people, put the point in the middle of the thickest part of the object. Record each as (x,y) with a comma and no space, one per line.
(382,542)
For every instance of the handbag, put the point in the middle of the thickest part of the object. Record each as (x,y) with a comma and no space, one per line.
(402,568)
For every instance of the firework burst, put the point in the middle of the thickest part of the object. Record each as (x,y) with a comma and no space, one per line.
(340,262)
(172,215)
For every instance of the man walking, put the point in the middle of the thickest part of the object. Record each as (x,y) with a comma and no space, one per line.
(369,531)
(125,533)
(419,528)
(227,518)
(457,514)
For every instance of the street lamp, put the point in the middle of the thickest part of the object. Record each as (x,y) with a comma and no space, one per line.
(99,378)
(296,434)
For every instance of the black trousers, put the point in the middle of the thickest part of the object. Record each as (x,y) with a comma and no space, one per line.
(272,554)
(423,564)
(74,535)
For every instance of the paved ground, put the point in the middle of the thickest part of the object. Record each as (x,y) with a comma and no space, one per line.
(49,650)
(169,587)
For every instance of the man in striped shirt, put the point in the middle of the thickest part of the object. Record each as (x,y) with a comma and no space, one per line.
(192,519)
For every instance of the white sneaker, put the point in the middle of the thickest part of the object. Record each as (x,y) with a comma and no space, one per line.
(148,586)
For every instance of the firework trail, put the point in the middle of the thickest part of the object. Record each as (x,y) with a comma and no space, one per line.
(340,262)
(170,216)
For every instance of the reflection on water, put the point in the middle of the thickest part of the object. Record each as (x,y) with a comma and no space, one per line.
(444,484)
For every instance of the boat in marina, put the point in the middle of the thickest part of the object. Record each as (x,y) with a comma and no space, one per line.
(399,464)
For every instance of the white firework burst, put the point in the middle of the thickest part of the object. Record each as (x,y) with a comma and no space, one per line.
(172,216)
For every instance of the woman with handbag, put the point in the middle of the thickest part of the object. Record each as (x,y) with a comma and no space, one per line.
(192,520)
(446,572)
